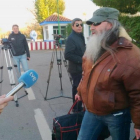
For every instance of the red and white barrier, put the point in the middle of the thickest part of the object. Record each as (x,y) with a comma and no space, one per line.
(41,45)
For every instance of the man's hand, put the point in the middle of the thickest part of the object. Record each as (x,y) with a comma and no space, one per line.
(77,97)
(137,133)
(28,58)
(4,101)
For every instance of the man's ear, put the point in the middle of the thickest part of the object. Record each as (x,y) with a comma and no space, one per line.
(109,26)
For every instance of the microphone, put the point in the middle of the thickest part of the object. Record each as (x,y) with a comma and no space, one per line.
(26,80)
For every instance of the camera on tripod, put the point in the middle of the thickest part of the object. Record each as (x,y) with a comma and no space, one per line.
(7,45)
(57,38)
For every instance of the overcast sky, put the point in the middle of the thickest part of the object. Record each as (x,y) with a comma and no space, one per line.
(16,11)
(78,8)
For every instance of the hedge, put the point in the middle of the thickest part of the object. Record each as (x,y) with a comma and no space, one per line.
(132,25)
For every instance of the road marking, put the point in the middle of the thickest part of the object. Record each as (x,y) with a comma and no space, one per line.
(31,95)
(42,124)
(30,92)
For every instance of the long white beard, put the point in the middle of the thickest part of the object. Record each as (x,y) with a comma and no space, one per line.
(93,46)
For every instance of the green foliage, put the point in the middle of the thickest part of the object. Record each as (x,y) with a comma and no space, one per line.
(132,26)
(124,6)
(68,30)
(45,8)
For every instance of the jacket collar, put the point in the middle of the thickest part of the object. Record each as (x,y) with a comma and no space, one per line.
(80,34)
(16,34)
(122,43)
(124,40)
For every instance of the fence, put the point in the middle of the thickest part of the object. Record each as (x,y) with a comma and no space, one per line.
(41,45)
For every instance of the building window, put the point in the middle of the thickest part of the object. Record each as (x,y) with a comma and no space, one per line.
(62,30)
(55,30)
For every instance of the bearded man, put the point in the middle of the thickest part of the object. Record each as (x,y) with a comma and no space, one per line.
(110,86)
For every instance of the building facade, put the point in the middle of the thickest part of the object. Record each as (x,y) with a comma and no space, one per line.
(51,26)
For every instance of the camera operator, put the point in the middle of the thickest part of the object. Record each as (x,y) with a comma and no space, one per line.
(4,101)
(21,49)
(75,48)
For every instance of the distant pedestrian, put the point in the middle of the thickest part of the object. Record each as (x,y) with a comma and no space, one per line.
(21,48)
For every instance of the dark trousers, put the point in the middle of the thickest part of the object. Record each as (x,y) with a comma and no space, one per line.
(76,80)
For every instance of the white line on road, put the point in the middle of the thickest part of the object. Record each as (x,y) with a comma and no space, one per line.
(42,124)
(31,95)
(30,92)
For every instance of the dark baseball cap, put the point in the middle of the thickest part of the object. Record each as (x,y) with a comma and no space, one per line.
(103,14)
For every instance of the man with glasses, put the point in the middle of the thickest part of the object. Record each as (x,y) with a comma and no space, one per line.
(110,86)
(75,48)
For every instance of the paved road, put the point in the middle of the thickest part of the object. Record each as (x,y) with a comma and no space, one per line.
(32,120)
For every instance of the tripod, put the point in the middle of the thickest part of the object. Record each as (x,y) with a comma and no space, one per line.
(5,50)
(59,63)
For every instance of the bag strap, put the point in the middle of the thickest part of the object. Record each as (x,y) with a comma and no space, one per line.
(74,105)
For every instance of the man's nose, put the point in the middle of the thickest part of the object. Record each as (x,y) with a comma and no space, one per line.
(92,27)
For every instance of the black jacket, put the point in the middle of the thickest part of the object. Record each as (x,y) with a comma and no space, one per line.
(75,48)
(19,44)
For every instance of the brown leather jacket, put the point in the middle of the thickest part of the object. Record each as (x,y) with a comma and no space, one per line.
(113,82)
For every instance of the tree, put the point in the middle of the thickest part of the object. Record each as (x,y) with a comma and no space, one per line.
(32,26)
(124,6)
(45,8)
(68,29)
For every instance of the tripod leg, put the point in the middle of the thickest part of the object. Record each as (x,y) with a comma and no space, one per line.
(1,70)
(59,63)
(51,66)
(18,75)
(10,73)
(60,73)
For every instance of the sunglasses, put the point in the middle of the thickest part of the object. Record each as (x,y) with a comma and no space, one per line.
(77,25)
(96,24)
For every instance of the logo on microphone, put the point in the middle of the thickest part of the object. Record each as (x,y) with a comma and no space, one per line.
(33,77)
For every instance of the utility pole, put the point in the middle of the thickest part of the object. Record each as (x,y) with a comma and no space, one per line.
(58,16)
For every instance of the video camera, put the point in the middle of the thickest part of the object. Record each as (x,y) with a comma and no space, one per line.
(57,37)
(5,41)
(7,44)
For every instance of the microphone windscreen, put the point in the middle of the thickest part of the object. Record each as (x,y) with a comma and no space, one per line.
(29,78)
